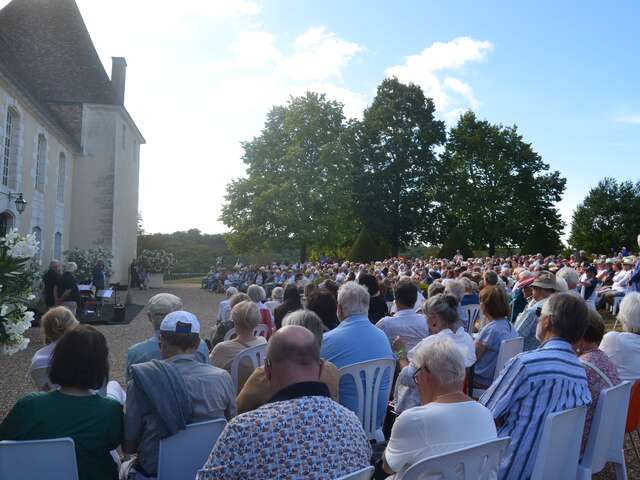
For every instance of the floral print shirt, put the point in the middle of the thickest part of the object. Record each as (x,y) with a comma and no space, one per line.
(300,434)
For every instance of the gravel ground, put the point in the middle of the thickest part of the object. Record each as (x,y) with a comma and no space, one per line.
(14,382)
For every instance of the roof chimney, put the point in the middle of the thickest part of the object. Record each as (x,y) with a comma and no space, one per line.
(118,77)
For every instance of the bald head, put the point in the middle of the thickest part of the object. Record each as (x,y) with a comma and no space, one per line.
(293,344)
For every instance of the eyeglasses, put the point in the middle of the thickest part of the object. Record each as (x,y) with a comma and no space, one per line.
(415,375)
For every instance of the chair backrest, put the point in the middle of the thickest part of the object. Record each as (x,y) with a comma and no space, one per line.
(479,462)
(633,414)
(256,355)
(607,426)
(183,454)
(367,377)
(53,459)
(508,349)
(40,377)
(261,330)
(470,314)
(362,474)
(562,432)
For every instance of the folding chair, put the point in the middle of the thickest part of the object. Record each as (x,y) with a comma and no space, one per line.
(53,459)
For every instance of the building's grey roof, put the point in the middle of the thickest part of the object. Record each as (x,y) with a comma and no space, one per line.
(46,50)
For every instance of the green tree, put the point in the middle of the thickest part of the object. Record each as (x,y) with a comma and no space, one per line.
(609,217)
(495,187)
(456,242)
(394,151)
(294,194)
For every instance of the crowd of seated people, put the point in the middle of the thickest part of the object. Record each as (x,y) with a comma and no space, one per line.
(294,417)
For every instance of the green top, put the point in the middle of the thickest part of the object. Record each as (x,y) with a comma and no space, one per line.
(93,422)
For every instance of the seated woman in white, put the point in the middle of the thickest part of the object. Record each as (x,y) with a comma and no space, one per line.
(446,420)
(443,321)
(623,348)
(55,323)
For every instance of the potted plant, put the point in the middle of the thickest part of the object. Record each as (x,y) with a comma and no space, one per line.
(19,273)
(155,264)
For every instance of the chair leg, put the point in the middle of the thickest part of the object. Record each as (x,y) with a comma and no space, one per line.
(621,468)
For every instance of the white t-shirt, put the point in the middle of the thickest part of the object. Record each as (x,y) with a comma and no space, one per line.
(437,428)
(623,348)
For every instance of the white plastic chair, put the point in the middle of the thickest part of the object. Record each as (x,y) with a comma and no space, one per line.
(470,314)
(257,355)
(479,462)
(559,448)
(508,349)
(606,437)
(53,459)
(260,331)
(615,306)
(362,474)
(183,454)
(371,373)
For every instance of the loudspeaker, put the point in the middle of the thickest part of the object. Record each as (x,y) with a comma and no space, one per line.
(119,312)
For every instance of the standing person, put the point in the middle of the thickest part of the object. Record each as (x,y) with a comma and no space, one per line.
(51,281)
(70,294)
(99,276)
(300,432)
(80,366)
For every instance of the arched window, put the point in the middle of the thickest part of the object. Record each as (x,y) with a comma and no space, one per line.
(6,223)
(40,162)
(62,171)
(57,246)
(10,148)
(37,231)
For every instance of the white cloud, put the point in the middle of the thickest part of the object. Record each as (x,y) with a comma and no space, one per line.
(630,119)
(449,94)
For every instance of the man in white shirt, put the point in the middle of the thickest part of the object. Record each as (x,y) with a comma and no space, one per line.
(224,310)
(410,326)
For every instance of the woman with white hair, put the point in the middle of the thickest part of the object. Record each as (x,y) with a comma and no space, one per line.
(246,317)
(258,295)
(623,348)
(70,297)
(446,419)
(276,299)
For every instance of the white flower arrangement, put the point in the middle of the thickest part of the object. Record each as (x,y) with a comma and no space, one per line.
(156,261)
(19,273)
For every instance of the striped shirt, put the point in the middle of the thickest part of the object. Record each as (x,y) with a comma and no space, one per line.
(533,385)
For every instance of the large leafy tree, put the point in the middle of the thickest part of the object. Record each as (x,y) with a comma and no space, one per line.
(294,194)
(496,188)
(393,151)
(608,218)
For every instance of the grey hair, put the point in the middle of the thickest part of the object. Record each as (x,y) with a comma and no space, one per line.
(466,283)
(307,319)
(277,293)
(443,305)
(353,298)
(443,359)
(434,289)
(569,275)
(629,313)
(455,288)
(256,293)
(231,291)
(246,315)
(70,267)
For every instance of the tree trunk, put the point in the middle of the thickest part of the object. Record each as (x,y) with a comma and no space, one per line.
(303,253)
(395,244)
(492,248)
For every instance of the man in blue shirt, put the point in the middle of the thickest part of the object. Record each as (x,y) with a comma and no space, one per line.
(537,383)
(159,306)
(356,340)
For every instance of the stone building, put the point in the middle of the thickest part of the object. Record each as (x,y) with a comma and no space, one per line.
(67,143)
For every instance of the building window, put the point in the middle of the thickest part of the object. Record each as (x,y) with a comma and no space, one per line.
(57,246)
(37,231)
(62,171)
(6,223)
(40,162)
(10,148)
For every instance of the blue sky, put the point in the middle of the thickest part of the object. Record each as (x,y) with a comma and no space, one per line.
(203,73)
